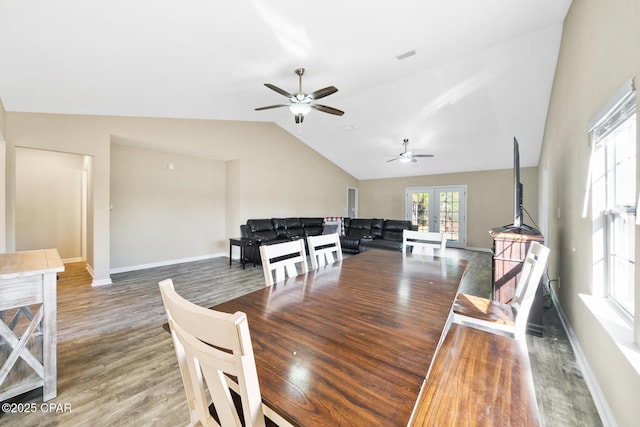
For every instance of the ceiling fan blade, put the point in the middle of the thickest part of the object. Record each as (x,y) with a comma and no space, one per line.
(323,92)
(396,158)
(326,109)
(271,106)
(277,89)
(422,155)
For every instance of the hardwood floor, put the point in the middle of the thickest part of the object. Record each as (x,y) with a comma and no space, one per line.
(116,365)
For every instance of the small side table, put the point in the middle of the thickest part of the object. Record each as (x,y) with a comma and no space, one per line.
(27,279)
(243,243)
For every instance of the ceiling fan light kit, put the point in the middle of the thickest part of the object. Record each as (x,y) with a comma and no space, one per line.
(300,104)
(299,108)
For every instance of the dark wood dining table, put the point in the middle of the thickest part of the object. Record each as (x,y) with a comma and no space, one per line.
(350,344)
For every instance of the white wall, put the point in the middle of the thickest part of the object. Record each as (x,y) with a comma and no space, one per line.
(49,202)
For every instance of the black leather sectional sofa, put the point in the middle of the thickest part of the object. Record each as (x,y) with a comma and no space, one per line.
(359,234)
(275,230)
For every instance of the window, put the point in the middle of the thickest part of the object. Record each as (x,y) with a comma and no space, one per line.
(614,196)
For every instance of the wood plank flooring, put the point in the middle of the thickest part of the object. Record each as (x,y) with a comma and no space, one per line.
(117,367)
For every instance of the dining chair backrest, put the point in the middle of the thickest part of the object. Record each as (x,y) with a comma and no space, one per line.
(208,345)
(532,269)
(324,249)
(283,260)
(424,242)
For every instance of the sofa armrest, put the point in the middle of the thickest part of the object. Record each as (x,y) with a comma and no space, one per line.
(245,231)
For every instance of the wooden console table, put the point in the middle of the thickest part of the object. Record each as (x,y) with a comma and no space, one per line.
(28,339)
(510,248)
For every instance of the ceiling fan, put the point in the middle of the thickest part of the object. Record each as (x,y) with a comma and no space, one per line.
(408,156)
(301,103)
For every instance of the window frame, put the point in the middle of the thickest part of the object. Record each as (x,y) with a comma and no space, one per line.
(615,114)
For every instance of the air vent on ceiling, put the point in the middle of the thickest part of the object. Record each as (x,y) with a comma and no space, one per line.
(405,55)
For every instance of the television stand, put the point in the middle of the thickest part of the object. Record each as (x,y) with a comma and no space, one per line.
(510,246)
(516,229)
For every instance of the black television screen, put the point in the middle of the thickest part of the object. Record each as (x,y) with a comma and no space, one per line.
(518,226)
(517,186)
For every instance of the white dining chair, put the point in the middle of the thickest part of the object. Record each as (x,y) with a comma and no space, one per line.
(424,242)
(324,249)
(506,319)
(282,260)
(210,346)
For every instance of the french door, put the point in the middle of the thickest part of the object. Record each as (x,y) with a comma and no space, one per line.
(441,210)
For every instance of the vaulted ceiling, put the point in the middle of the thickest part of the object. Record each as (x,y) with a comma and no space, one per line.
(481,74)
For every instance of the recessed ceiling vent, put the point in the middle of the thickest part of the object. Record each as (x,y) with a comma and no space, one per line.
(405,55)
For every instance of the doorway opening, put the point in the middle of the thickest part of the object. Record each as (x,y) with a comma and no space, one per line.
(52,197)
(352,202)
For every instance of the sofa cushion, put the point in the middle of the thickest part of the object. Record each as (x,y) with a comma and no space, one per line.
(261,229)
(377,225)
(260,225)
(312,226)
(245,231)
(312,222)
(393,229)
(280,227)
(293,227)
(390,245)
(293,223)
(350,244)
(359,228)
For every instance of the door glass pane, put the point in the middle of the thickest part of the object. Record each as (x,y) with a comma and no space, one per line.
(450,214)
(420,211)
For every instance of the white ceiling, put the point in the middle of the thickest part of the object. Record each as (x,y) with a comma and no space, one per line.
(482,72)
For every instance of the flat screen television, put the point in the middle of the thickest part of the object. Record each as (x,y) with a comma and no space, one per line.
(518,226)
(517,186)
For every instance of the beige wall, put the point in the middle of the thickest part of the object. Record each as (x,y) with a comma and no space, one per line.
(267,172)
(600,51)
(3,182)
(489,198)
(66,134)
(278,176)
(2,119)
(49,202)
(160,214)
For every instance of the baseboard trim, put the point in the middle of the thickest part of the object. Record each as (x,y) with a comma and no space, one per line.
(95,282)
(477,249)
(103,282)
(606,416)
(165,263)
